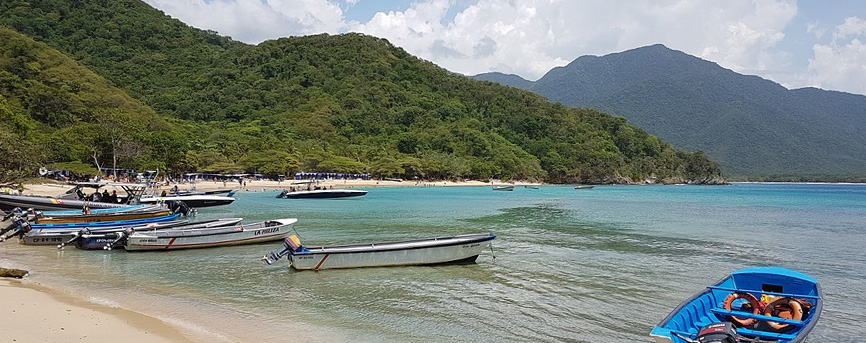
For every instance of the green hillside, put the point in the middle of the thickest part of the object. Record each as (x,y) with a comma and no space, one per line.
(53,109)
(347,103)
(756,129)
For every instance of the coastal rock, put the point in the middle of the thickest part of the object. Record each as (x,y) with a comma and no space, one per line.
(13,273)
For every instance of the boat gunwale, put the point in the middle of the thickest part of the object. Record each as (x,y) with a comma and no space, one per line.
(213,231)
(365,248)
(800,336)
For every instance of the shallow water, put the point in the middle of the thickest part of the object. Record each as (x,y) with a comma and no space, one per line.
(599,265)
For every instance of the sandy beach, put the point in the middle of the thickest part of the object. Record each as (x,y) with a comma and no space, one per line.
(56,188)
(32,313)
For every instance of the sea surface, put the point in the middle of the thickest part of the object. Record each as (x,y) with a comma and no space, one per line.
(598,265)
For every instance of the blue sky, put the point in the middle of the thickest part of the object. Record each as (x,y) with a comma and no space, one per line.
(795,43)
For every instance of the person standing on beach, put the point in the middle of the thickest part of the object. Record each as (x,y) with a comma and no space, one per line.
(20,188)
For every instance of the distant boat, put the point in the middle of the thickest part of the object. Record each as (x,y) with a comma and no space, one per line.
(584,187)
(452,249)
(269,230)
(503,187)
(530,186)
(322,194)
(770,304)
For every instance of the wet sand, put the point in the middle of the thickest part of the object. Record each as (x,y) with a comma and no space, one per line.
(32,313)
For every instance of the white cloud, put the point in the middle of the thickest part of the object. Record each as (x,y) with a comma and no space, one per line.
(254,21)
(529,37)
(841,64)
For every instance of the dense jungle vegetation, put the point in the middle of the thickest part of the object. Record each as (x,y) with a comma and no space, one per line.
(83,83)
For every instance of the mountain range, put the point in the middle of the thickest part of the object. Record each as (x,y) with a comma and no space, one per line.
(755,128)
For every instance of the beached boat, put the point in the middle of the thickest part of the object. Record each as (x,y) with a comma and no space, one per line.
(108,240)
(77,197)
(503,187)
(81,225)
(321,194)
(270,230)
(764,304)
(20,227)
(102,217)
(584,187)
(124,209)
(57,236)
(451,249)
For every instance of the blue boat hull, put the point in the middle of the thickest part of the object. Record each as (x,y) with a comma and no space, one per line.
(707,307)
(117,223)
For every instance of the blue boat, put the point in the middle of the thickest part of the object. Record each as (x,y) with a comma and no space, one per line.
(763,304)
(130,222)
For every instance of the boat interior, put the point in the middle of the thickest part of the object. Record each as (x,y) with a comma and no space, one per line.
(708,307)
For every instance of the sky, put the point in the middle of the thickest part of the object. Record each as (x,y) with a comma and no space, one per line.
(809,43)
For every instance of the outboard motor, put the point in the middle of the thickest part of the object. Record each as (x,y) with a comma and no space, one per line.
(717,333)
(283,194)
(19,227)
(178,206)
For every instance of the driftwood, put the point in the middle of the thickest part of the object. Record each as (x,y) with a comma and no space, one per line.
(14,273)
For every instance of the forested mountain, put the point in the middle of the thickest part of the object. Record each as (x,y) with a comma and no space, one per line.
(509,80)
(54,109)
(346,103)
(755,128)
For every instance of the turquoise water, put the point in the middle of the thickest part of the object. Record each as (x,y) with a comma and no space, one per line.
(599,265)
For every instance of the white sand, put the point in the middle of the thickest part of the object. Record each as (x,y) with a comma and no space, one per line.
(33,314)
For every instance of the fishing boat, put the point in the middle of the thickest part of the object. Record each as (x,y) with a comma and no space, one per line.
(270,230)
(20,227)
(108,240)
(77,197)
(584,187)
(321,194)
(101,217)
(451,249)
(124,209)
(65,236)
(763,304)
(128,222)
(503,187)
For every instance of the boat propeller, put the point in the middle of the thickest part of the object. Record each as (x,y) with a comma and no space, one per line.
(120,235)
(18,227)
(74,238)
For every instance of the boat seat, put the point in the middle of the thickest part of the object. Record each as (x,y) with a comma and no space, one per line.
(789,295)
(765,334)
(760,317)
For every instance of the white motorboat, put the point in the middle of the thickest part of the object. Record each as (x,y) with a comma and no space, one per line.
(440,250)
(269,230)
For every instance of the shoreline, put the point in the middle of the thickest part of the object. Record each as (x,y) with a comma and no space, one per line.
(56,188)
(43,314)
